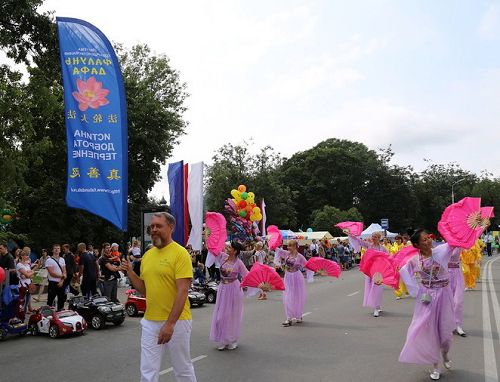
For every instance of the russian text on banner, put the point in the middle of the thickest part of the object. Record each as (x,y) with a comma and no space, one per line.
(96,122)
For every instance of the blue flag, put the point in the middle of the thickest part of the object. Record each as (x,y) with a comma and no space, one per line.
(177,195)
(96,122)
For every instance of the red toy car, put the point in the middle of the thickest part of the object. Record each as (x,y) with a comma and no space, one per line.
(47,320)
(136,303)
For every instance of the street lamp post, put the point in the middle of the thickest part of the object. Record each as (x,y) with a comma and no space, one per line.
(452,189)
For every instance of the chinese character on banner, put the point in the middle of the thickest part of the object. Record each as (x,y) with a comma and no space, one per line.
(93,173)
(97,118)
(113,175)
(83,118)
(112,118)
(71,114)
(75,172)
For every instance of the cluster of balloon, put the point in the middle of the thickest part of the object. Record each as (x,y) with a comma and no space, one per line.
(243,213)
(7,216)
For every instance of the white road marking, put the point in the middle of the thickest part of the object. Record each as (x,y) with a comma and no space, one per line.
(490,364)
(170,369)
(494,298)
(353,293)
(306,314)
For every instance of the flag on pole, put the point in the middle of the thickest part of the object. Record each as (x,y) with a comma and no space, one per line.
(95,113)
(177,197)
(195,203)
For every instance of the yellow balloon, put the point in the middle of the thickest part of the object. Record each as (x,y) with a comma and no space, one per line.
(250,200)
(251,195)
(254,218)
(236,195)
(256,210)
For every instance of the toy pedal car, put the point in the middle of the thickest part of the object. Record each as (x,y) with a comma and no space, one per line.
(98,310)
(136,303)
(46,320)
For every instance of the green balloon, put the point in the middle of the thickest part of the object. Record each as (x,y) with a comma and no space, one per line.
(244,195)
(243,213)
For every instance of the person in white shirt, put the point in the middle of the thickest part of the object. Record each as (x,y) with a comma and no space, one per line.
(314,248)
(56,268)
(488,239)
(24,274)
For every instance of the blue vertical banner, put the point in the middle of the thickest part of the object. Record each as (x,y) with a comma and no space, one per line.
(96,122)
(177,195)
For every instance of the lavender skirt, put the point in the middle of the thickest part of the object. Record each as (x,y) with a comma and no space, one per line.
(457,286)
(373,294)
(431,329)
(228,313)
(294,295)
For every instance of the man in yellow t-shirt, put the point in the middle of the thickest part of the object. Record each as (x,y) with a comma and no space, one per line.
(166,275)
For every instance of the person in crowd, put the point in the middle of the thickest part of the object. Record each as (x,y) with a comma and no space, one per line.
(7,262)
(397,246)
(135,256)
(24,273)
(294,295)
(71,268)
(314,248)
(42,275)
(110,268)
(488,240)
(115,251)
(471,264)
(260,254)
(89,271)
(166,276)
(426,276)
(199,274)
(56,268)
(373,288)
(341,253)
(228,312)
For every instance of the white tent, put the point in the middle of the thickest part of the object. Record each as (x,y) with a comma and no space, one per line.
(374,227)
(306,238)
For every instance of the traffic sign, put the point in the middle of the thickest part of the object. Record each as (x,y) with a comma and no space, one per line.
(384,223)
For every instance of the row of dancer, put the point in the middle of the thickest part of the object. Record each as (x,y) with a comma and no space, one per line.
(228,312)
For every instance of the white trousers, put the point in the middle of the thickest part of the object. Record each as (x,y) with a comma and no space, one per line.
(178,347)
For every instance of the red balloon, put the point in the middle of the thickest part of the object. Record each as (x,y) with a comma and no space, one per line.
(242,204)
(2,275)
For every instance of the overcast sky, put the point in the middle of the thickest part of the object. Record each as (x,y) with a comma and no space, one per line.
(423,76)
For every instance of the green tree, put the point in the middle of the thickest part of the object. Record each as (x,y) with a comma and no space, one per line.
(234,165)
(324,219)
(35,131)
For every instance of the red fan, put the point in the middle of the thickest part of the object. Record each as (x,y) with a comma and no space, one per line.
(276,238)
(402,256)
(216,229)
(462,223)
(263,277)
(323,266)
(352,228)
(376,263)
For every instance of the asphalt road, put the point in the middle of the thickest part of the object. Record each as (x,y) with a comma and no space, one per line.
(338,341)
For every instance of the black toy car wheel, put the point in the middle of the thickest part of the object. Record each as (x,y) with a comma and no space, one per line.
(34,330)
(53,331)
(97,322)
(211,297)
(200,304)
(131,310)
(3,334)
(119,322)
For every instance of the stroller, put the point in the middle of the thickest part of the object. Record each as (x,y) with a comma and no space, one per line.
(9,324)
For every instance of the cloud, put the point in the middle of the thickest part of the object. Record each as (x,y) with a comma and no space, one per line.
(489,25)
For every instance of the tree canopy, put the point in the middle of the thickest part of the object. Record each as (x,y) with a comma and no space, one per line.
(32,129)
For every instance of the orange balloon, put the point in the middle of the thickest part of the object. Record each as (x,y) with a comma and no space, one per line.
(242,188)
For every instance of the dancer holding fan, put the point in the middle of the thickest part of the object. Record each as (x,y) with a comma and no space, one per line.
(373,288)
(427,278)
(228,312)
(294,296)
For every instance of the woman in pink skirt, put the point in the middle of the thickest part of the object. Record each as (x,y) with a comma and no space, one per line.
(430,333)
(457,286)
(294,295)
(373,290)
(228,312)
